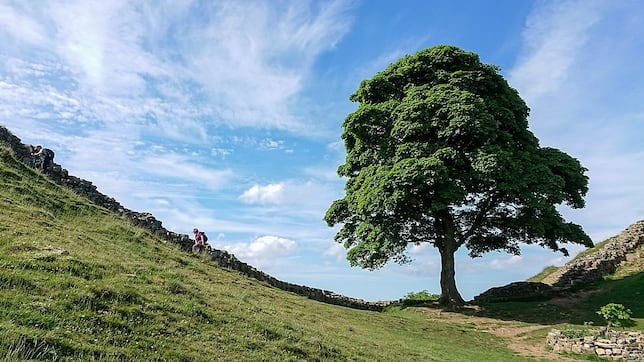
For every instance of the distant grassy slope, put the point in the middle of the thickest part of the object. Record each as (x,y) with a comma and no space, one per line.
(552,271)
(625,286)
(547,271)
(79,283)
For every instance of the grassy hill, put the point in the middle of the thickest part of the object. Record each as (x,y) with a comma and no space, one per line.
(78,282)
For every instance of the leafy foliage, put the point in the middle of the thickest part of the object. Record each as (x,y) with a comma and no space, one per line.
(439,151)
(423,295)
(614,314)
(579,333)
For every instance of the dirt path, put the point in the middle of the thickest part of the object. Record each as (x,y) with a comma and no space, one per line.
(514,332)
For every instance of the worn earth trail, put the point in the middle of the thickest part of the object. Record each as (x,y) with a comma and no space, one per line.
(513,331)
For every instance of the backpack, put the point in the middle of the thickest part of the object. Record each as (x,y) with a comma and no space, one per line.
(48,153)
(204,237)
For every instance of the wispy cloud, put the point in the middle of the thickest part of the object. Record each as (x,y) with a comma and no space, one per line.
(256,56)
(505,263)
(336,251)
(552,41)
(103,45)
(181,167)
(576,74)
(232,62)
(20,27)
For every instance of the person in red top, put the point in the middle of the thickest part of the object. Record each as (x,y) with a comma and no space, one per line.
(200,242)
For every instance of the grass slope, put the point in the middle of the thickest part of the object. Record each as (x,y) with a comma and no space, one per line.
(79,283)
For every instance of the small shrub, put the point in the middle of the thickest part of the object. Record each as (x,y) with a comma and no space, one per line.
(578,333)
(421,296)
(614,314)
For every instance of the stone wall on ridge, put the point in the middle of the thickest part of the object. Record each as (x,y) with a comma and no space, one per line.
(147,221)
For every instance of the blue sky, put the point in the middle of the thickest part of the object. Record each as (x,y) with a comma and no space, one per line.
(226,115)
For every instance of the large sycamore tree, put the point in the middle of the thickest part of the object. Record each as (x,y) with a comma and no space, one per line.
(439,152)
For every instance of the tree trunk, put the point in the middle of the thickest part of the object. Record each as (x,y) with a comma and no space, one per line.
(449,294)
(447,246)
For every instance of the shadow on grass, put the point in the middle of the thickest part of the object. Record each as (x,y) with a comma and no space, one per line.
(406,303)
(574,307)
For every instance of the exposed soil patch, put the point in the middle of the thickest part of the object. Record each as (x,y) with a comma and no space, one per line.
(516,333)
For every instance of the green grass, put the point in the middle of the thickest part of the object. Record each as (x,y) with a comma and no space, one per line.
(543,274)
(79,283)
(579,307)
(626,290)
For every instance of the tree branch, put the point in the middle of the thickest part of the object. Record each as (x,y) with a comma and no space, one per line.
(480,217)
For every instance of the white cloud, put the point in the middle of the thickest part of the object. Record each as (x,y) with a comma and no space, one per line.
(180,167)
(221,152)
(104,45)
(505,263)
(271,245)
(336,251)
(416,249)
(269,194)
(263,251)
(299,197)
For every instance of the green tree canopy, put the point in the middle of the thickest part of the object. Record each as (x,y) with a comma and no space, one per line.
(439,152)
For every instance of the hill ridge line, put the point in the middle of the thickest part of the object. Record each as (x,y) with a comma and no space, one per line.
(147,221)
(580,271)
(599,263)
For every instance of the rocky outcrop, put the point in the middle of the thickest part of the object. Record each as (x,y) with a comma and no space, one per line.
(622,346)
(147,221)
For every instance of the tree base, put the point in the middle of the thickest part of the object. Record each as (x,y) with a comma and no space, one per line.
(453,303)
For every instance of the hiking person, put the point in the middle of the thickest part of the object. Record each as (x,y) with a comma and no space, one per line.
(45,155)
(200,241)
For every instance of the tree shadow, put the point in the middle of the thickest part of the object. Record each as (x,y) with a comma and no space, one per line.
(578,306)
(407,303)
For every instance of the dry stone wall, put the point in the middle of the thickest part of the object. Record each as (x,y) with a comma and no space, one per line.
(517,291)
(147,221)
(603,262)
(622,346)
(585,269)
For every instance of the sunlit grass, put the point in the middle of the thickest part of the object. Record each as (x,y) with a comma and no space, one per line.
(79,283)
(543,274)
